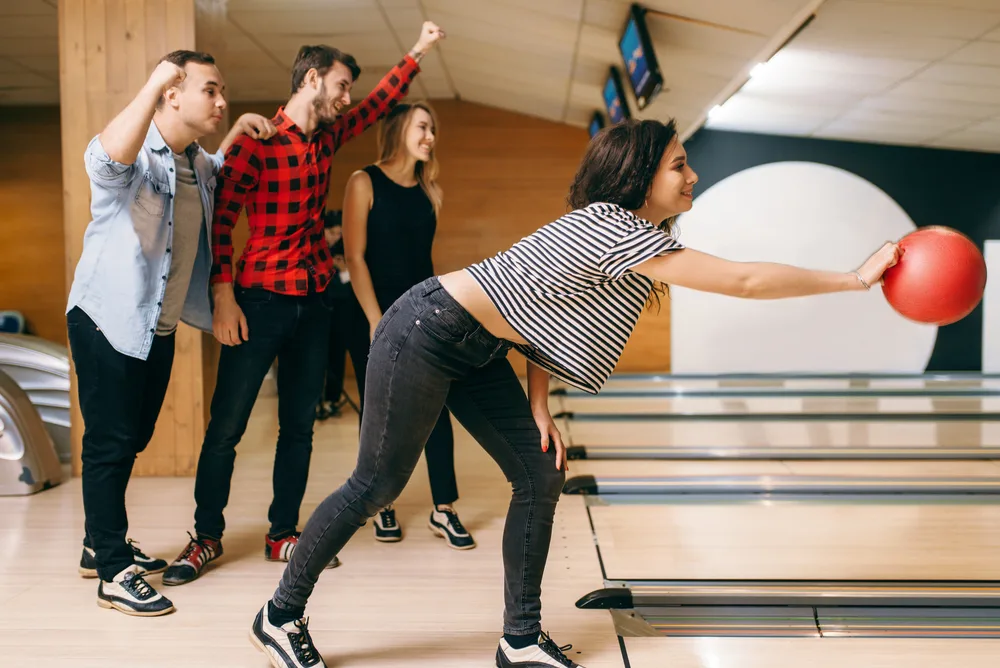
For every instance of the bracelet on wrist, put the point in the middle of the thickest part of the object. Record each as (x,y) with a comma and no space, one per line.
(863,281)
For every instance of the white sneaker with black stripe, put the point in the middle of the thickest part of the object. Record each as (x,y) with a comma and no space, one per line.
(287,646)
(445,523)
(545,654)
(147,565)
(131,594)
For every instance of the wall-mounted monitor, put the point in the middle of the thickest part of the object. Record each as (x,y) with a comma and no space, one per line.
(596,123)
(640,58)
(614,97)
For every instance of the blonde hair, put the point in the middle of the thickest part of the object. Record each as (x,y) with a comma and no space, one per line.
(392,129)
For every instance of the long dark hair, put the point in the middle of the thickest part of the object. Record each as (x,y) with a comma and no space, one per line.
(618,168)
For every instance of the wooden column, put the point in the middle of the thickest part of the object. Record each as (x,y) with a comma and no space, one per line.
(107,49)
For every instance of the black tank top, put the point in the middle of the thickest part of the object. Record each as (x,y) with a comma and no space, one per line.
(401,226)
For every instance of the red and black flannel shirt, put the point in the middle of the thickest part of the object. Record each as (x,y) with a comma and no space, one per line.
(283,182)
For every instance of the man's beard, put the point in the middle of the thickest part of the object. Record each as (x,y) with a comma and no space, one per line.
(323,106)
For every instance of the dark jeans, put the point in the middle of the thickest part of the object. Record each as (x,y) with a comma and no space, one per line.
(292,329)
(341,331)
(120,399)
(428,351)
(440,447)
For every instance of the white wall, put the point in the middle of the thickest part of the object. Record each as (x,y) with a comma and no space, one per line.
(991,309)
(809,215)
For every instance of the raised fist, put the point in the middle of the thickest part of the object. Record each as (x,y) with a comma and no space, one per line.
(167,75)
(429,36)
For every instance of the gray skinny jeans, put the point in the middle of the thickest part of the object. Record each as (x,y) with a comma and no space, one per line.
(429,352)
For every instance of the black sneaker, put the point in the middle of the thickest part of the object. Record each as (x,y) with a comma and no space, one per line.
(287,646)
(387,530)
(445,523)
(147,565)
(543,655)
(192,561)
(131,594)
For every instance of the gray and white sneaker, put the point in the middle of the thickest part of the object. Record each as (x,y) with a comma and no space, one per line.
(287,646)
(147,565)
(445,523)
(546,654)
(131,594)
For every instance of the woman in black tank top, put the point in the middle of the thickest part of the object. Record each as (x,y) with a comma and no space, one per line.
(390,216)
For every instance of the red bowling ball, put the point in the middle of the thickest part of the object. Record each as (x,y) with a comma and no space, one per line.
(939,278)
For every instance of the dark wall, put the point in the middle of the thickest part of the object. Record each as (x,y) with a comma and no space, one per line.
(959,189)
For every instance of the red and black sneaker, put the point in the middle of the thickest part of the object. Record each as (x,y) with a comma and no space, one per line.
(192,561)
(281,549)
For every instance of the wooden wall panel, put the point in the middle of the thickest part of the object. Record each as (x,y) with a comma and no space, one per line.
(32,269)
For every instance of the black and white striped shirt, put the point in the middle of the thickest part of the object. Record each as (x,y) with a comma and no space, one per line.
(568,291)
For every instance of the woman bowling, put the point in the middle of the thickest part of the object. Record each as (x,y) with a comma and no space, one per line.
(567,297)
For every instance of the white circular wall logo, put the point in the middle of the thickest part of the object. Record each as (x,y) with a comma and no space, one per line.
(809,215)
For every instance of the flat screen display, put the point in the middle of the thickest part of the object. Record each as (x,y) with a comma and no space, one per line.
(639,58)
(614,98)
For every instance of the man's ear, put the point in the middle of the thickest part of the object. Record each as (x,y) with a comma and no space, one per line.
(312,78)
(170,96)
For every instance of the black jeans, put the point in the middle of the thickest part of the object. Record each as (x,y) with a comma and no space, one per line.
(428,351)
(292,329)
(120,399)
(440,447)
(341,331)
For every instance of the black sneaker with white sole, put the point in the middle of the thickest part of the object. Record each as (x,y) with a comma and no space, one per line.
(147,565)
(387,529)
(288,645)
(445,523)
(546,654)
(131,594)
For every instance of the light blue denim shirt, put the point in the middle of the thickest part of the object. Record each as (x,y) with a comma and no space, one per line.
(122,273)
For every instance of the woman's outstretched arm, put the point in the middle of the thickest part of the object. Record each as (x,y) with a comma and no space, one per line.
(761,280)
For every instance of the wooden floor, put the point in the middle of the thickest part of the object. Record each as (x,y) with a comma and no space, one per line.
(413,603)
(417,603)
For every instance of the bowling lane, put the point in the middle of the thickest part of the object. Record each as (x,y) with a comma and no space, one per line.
(989,468)
(811,652)
(730,467)
(783,433)
(750,405)
(797,382)
(825,538)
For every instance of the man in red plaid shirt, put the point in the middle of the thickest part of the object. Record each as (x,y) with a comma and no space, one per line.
(276,309)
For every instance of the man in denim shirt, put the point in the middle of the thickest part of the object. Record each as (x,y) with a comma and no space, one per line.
(145,265)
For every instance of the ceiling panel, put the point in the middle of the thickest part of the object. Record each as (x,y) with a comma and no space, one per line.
(903,105)
(923,72)
(977,53)
(321,23)
(969,75)
(910,20)
(937,75)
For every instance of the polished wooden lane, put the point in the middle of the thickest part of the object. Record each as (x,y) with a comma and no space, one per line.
(770,538)
(810,652)
(749,405)
(784,433)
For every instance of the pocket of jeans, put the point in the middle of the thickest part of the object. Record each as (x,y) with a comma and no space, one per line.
(444,325)
(252,297)
(380,328)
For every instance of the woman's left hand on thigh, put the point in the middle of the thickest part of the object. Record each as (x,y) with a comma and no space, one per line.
(550,435)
